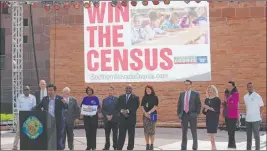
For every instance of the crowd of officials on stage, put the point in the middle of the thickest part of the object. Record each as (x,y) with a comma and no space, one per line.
(119,114)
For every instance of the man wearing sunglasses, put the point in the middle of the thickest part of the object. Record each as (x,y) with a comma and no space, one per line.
(25,102)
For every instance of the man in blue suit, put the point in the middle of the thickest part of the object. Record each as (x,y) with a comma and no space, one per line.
(55,105)
(110,113)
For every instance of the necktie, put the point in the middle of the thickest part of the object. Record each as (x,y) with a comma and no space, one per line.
(109,100)
(127,98)
(186,106)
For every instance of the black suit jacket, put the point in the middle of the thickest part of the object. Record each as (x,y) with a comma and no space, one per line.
(194,104)
(132,105)
(59,109)
(37,96)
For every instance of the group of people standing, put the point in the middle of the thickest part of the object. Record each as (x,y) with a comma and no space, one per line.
(64,109)
(189,107)
(119,114)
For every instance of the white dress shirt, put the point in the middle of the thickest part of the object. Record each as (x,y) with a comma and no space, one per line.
(25,103)
(43,94)
(52,106)
(67,99)
(253,104)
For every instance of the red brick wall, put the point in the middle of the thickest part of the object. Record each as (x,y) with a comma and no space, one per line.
(238,52)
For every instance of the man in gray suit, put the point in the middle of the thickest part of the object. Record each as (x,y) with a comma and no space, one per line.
(72,115)
(188,109)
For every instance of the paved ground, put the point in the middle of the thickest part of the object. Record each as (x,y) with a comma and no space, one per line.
(166,139)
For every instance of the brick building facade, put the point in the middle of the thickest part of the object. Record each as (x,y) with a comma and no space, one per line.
(238,52)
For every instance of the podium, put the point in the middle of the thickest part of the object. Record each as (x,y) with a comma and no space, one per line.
(37,131)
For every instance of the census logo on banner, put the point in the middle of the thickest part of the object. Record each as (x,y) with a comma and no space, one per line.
(191,60)
(32,127)
(153,43)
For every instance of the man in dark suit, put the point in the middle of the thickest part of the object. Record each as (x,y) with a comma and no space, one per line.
(127,106)
(42,92)
(72,115)
(55,105)
(188,109)
(110,114)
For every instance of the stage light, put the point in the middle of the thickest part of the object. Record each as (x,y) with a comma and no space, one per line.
(6,4)
(96,3)
(197,1)
(34,4)
(133,3)
(114,3)
(124,3)
(166,2)
(77,5)
(66,5)
(57,7)
(145,2)
(187,2)
(155,2)
(86,5)
(47,7)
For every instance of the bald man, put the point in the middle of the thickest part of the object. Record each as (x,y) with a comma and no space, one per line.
(127,106)
(25,102)
(72,115)
(40,94)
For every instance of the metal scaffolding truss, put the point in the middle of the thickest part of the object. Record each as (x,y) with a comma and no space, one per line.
(17,57)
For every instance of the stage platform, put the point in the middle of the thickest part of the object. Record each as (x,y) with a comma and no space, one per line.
(166,139)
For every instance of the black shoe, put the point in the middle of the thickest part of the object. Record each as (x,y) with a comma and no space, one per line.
(147,147)
(151,147)
(87,148)
(115,148)
(105,148)
(71,149)
(232,146)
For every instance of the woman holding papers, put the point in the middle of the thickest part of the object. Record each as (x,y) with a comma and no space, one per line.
(90,108)
(149,107)
(212,111)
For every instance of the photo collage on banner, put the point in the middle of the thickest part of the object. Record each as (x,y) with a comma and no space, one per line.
(153,43)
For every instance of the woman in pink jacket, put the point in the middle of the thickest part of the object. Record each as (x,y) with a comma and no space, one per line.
(232,104)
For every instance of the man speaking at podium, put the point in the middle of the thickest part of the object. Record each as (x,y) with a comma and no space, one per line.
(55,105)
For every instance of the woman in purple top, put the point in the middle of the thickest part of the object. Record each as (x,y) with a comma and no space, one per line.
(90,111)
(232,104)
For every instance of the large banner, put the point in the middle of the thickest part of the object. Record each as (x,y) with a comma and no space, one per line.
(153,43)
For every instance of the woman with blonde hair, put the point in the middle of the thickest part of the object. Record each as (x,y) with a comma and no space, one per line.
(212,111)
